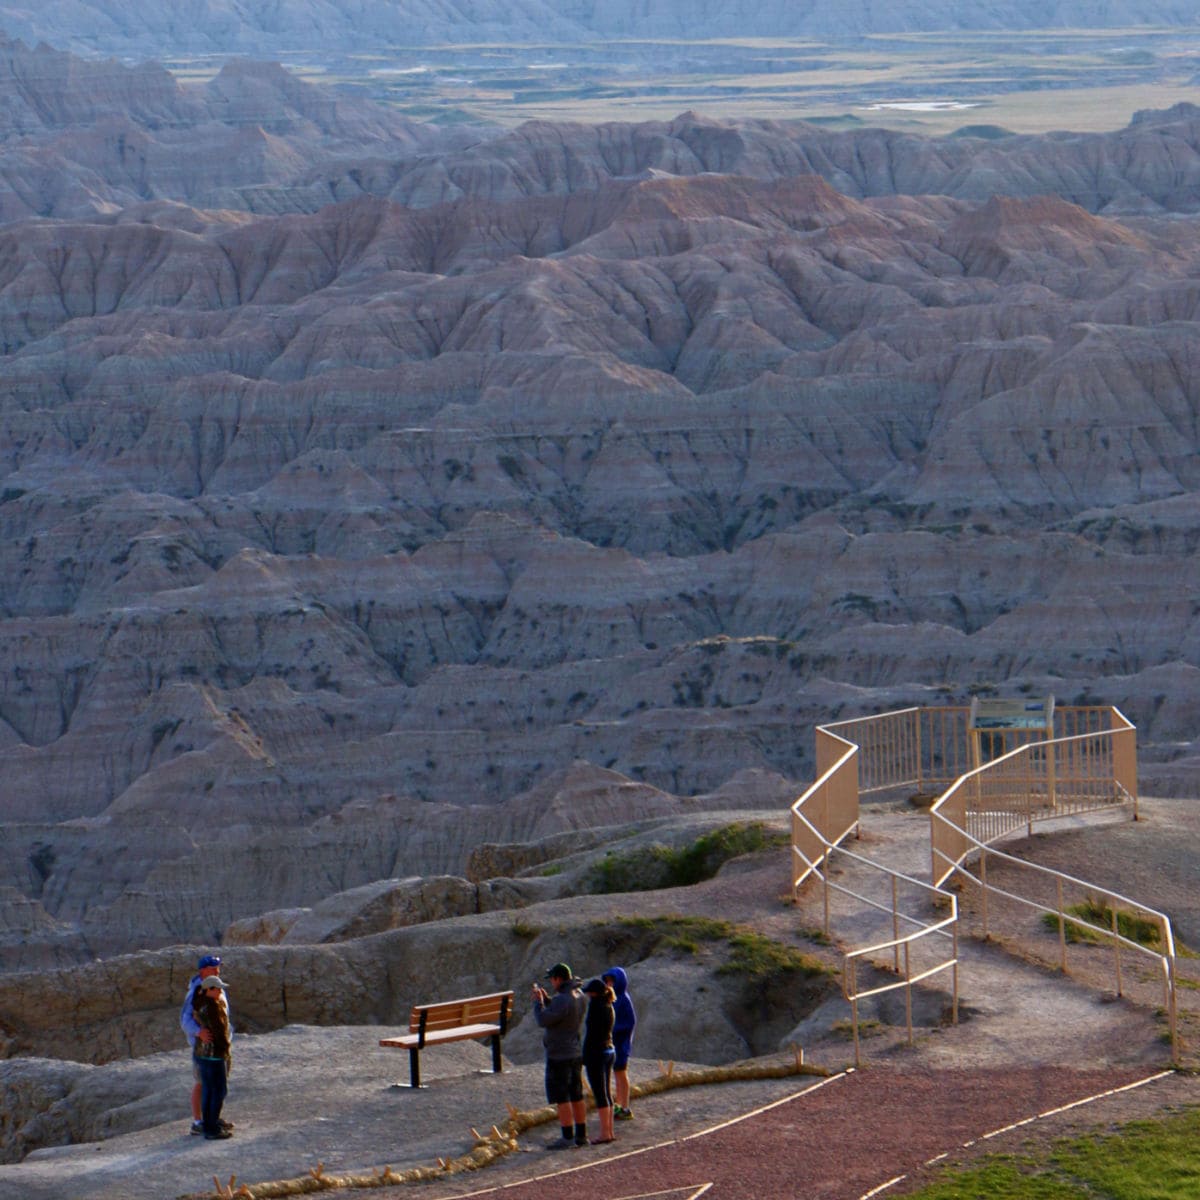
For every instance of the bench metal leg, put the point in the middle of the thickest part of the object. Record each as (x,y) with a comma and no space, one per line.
(495,1040)
(414,1067)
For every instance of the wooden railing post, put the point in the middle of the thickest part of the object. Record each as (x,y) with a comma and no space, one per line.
(1116,943)
(1062,930)
(983,888)
(908,993)
(896,923)
(954,975)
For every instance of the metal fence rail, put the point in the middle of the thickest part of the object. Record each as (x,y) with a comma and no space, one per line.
(1077,909)
(1089,765)
(916,955)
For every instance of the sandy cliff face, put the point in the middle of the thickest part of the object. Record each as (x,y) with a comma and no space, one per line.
(591,463)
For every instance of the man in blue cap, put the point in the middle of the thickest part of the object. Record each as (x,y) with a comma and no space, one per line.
(209,965)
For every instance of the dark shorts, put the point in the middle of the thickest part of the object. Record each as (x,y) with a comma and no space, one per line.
(564,1080)
(624,1047)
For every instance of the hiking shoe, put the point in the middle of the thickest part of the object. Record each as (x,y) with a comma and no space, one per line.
(197,1128)
(219,1136)
(622,1114)
(561,1144)
(228,1125)
(582,1141)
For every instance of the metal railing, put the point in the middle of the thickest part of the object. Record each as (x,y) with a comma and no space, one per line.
(1035,781)
(1079,912)
(825,816)
(915,955)
(1089,765)
(1064,776)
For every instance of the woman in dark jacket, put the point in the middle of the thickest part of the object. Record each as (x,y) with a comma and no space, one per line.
(598,1053)
(213,1056)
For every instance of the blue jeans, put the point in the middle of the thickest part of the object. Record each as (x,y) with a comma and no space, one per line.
(213,1086)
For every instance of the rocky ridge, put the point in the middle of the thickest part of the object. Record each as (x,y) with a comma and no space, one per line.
(339,541)
(90,26)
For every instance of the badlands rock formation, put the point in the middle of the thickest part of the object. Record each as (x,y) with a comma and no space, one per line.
(89,140)
(258,26)
(368,497)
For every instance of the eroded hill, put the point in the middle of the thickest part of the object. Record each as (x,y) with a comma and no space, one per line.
(351,502)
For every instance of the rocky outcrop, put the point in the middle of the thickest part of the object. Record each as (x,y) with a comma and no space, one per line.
(363,958)
(385,904)
(89,138)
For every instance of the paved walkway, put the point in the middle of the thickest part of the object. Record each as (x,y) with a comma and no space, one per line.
(815,1144)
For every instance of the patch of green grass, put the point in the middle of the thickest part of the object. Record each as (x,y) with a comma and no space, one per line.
(654,867)
(846,1028)
(752,955)
(1145,1160)
(1143,930)
(759,957)
(815,935)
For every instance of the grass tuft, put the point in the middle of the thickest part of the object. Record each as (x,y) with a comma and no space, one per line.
(752,955)
(1145,1160)
(1143,930)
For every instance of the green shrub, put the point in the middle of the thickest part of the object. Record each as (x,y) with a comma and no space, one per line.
(1143,930)
(653,867)
(752,955)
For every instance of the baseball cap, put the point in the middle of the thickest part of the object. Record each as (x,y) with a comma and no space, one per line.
(208,960)
(213,981)
(560,970)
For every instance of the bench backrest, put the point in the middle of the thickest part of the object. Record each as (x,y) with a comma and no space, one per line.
(492,1009)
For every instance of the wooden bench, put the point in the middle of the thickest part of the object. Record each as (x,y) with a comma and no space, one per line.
(454,1021)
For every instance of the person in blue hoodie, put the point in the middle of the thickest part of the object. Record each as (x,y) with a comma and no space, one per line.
(622,1034)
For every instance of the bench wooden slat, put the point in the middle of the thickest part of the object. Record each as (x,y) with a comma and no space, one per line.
(461,1033)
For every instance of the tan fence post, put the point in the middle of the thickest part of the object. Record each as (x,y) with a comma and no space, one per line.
(954,974)
(825,881)
(1116,943)
(920,761)
(852,993)
(1062,931)
(1027,755)
(1171,1007)
(983,889)
(908,993)
(896,923)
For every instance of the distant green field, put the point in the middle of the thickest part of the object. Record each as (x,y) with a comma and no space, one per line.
(933,83)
